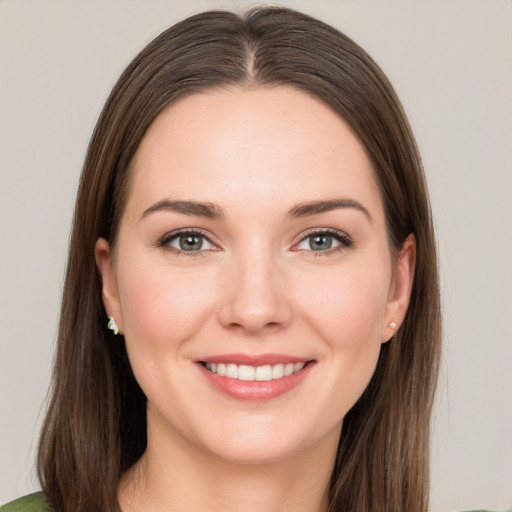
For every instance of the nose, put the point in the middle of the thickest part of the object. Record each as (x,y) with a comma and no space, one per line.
(255,296)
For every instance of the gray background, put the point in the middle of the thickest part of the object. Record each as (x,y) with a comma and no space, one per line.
(451,63)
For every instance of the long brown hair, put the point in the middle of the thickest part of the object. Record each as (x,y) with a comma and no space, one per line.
(95,427)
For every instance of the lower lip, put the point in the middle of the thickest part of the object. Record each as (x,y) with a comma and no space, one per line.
(256,390)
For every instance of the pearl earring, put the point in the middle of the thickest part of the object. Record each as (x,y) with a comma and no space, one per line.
(392,325)
(112,325)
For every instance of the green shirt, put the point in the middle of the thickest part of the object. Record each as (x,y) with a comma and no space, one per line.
(30,503)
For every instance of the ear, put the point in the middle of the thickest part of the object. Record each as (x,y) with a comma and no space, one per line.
(109,293)
(400,288)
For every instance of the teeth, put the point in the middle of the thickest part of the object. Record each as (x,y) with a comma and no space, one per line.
(232,371)
(263,373)
(288,369)
(277,371)
(245,372)
(254,373)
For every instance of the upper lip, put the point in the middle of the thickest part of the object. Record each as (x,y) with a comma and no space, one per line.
(254,359)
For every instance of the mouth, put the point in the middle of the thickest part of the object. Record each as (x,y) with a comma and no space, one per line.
(249,373)
(255,378)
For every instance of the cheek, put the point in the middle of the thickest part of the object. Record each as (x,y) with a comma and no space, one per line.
(346,309)
(163,310)
(349,304)
(161,306)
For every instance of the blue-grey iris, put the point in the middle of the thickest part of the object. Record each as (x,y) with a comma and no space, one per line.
(320,242)
(191,242)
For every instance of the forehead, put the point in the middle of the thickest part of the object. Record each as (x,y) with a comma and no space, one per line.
(270,145)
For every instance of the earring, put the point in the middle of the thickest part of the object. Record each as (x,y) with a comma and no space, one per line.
(392,325)
(112,325)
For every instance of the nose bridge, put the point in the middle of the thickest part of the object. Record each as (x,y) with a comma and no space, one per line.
(255,297)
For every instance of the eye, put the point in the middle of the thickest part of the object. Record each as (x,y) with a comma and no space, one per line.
(323,241)
(187,241)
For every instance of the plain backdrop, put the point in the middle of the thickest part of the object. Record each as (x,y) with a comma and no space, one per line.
(451,63)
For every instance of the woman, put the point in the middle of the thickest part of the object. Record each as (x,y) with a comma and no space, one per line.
(253,220)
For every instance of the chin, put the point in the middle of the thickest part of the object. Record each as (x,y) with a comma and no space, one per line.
(254,453)
(266,441)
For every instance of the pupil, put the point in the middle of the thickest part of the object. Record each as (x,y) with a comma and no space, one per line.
(191,243)
(321,242)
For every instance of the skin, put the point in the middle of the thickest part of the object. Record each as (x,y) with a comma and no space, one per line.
(258,287)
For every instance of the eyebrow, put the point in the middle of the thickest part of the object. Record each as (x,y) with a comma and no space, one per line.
(213,211)
(195,208)
(316,207)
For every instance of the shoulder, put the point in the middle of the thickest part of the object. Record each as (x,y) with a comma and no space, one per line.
(481,510)
(30,503)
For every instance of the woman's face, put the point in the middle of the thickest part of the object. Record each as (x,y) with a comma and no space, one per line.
(253,245)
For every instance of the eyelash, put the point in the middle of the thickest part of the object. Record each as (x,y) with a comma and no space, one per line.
(344,241)
(169,237)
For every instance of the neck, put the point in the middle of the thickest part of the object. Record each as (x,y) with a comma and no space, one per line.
(177,476)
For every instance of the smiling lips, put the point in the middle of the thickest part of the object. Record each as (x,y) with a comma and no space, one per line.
(247,378)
